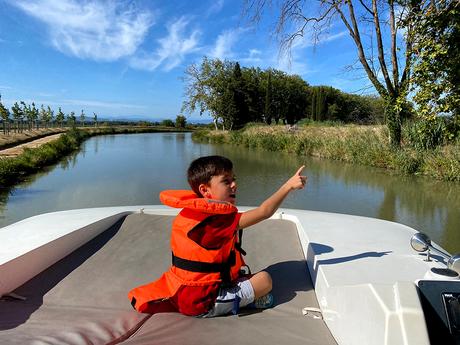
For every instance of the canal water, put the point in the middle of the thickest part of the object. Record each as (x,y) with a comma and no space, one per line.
(132,170)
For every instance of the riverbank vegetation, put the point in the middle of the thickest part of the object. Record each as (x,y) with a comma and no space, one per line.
(357,144)
(32,160)
(15,169)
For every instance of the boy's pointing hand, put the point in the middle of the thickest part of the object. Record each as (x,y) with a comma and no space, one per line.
(297,181)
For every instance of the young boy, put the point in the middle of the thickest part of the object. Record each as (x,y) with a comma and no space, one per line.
(206,277)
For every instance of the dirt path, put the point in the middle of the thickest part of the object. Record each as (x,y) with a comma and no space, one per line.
(17,150)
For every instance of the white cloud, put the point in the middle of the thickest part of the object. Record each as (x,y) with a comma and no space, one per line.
(294,60)
(216,7)
(172,49)
(223,47)
(303,42)
(91,29)
(88,103)
(334,37)
(253,57)
(81,103)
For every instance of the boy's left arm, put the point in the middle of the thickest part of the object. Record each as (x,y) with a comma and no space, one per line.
(269,206)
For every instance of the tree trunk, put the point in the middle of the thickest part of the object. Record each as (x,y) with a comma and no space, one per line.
(393,119)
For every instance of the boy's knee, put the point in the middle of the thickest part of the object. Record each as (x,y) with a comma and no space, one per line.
(267,279)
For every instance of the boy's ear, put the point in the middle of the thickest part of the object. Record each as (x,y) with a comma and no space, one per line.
(204,190)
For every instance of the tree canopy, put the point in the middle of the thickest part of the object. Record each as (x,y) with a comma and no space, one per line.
(235,96)
(436,71)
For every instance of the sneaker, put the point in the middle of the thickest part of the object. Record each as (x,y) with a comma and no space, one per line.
(263,302)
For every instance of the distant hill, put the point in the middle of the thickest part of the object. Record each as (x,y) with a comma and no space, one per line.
(137,118)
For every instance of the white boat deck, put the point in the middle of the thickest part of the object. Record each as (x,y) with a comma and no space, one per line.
(363,274)
(82,299)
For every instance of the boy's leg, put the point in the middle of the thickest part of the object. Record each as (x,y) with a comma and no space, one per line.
(245,292)
(261,283)
(232,298)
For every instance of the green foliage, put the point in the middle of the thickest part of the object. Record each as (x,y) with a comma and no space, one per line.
(32,160)
(349,144)
(328,123)
(235,96)
(206,136)
(5,115)
(436,71)
(167,123)
(181,121)
(425,134)
(71,120)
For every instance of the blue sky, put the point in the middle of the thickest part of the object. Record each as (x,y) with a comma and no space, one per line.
(126,59)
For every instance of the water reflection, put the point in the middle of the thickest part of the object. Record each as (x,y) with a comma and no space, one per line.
(133,169)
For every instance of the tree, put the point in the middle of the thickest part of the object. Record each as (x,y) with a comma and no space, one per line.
(34,115)
(29,115)
(49,116)
(254,93)
(71,119)
(82,118)
(359,19)
(268,99)
(5,115)
(181,121)
(17,115)
(207,86)
(436,72)
(42,116)
(167,123)
(60,117)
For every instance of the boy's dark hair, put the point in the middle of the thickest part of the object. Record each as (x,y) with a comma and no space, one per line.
(202,169)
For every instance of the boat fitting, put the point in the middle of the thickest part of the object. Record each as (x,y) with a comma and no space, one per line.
(420,242)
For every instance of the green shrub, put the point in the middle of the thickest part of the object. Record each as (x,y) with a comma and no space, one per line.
(425,134)
(363,145)
(32,160)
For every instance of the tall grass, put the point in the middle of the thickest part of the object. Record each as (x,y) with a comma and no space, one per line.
(14,169)
(364,145)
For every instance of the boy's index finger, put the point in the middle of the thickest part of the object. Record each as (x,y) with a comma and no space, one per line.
(300,170)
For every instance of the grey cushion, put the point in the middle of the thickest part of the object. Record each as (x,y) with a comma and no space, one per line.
(83,298)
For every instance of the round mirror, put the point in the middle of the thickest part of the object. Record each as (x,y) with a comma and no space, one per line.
(420,242)
(454,263)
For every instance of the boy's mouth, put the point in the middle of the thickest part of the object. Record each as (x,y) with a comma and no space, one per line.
(233,196)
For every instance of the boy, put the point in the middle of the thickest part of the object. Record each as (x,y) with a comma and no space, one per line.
(205,278)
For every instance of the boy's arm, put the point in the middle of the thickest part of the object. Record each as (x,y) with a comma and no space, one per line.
(269,206)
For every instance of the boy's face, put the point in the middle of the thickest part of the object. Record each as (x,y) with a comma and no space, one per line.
(221,187)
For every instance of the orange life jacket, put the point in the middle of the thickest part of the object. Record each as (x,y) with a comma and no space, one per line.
(191,285)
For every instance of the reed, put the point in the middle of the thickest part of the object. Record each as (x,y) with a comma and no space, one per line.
(363,145)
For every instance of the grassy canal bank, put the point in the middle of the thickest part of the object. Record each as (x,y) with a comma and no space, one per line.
(364,145)
(32,160)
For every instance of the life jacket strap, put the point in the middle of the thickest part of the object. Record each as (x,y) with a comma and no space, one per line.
(207,267)
(239,242)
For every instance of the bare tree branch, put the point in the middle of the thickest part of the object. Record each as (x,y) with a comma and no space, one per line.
(381,54)
(367,8)
(354,33)
(394,59)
